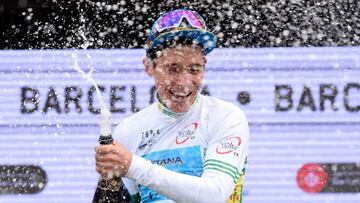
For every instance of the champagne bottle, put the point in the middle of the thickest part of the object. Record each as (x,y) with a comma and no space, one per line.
(110,190)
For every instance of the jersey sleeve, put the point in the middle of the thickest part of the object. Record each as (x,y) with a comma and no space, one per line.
(224,161)
(227,152)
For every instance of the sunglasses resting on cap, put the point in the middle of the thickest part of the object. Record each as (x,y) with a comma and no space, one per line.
(181,23)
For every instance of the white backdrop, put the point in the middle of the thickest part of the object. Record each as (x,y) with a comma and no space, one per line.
(61,140)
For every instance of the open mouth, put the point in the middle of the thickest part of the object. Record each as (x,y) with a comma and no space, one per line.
(180,95)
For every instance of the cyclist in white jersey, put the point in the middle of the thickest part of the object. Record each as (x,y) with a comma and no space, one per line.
(186,147)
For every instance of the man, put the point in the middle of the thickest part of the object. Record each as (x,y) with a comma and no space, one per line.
(186,147)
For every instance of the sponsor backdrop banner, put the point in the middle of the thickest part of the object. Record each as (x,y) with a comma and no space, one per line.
(303,106)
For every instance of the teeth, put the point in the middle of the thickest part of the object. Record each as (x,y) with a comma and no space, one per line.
(180,94)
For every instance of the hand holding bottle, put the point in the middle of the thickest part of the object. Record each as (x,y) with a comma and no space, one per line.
(112,160)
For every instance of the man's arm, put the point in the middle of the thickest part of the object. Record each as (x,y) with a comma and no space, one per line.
(224,161)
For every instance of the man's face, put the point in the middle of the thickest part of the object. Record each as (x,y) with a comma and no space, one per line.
(178,75)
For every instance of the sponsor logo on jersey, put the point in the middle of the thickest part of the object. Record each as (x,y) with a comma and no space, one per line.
(329,178)
(148,138)
(148,143)
(230,145)
(236,195)
(186,133)
(186,160)
(167,161)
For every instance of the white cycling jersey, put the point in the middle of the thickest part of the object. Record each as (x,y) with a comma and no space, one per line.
(197,156)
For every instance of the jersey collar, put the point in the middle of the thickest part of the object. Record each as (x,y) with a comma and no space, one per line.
(163,109)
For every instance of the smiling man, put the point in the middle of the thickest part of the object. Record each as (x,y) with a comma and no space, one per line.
(186,147)
(178,75)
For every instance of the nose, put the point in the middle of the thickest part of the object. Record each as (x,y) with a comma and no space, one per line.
(182,78)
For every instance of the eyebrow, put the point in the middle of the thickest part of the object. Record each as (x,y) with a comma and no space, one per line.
(173,64)
(197,64)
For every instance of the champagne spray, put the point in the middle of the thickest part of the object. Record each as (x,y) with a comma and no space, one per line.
(110,189)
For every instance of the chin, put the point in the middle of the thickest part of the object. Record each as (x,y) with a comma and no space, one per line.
(180,106)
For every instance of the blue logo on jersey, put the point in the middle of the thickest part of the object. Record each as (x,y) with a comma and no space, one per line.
(184,160)
(148,138)
(166,161)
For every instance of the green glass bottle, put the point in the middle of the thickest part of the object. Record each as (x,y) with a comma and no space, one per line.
(110,190)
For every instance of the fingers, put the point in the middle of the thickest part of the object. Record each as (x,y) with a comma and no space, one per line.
(103,169)
(106,149)
(104,165)
(107,168)
(113,159)
(109,157)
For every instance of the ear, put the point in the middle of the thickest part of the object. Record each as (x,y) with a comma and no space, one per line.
(148,66)
(205,60)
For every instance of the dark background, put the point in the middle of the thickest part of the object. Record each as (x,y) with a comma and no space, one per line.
(49,24)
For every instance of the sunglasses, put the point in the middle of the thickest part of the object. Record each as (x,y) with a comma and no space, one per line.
(174,19)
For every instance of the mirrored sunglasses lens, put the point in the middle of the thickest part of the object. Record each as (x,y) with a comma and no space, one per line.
(173,18)
(195,20)
(169,20)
